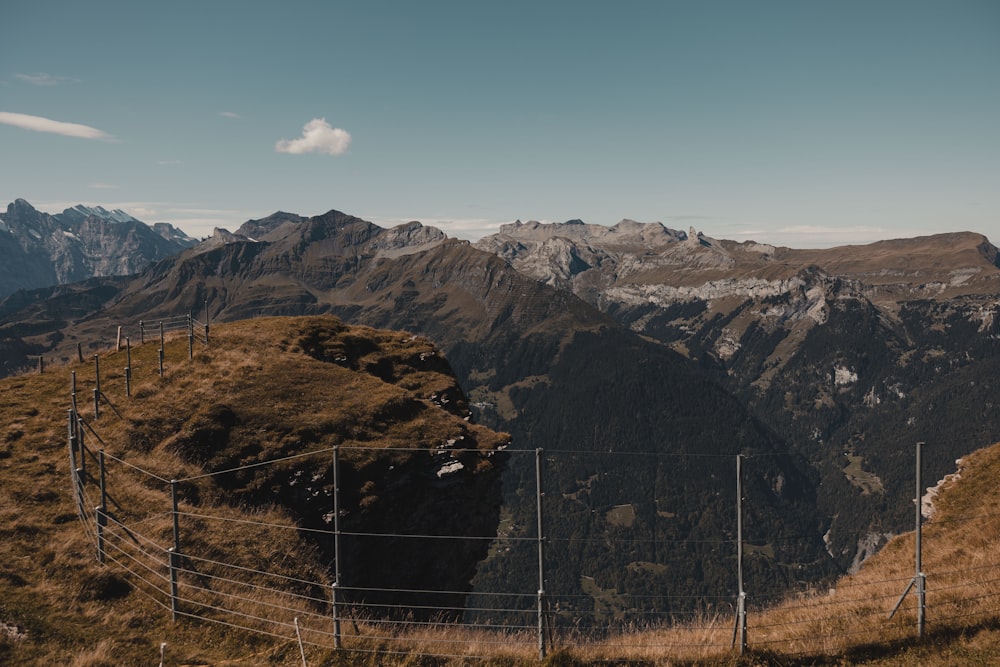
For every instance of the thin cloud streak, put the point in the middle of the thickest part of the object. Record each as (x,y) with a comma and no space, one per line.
(44,79)
(814,236)
(42,124)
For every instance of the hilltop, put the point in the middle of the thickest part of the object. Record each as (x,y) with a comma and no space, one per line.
(263,390)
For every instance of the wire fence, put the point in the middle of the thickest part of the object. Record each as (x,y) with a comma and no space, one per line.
(184,547)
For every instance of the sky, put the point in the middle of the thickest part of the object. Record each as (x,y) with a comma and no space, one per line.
(801,123)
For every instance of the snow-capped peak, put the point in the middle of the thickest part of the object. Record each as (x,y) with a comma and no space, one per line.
(116,215)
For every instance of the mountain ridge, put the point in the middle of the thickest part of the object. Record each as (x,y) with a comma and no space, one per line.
(839,372)
(42,250)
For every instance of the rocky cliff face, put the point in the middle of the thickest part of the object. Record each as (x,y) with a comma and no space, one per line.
(847,352)
(42,250)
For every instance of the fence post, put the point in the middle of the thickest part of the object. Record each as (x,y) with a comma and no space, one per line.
(97,387)
(741,600)
(81,444)
(336,543)
(74,472)
(190,338)
(142,333)
(919,574)
(161,348)
(72,399)
(541,555)
(919,579)
(206,322)
(174,553)
(102,519)
(128,368)
(41,365)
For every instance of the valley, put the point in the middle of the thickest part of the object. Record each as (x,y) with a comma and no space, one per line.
(641,361)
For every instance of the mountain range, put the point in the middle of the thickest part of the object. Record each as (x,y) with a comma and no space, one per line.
(42,250)
(824,366)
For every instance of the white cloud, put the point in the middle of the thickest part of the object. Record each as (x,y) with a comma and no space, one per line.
(102,186)
(317,137)
(40,124)
(229,114)
(44,79)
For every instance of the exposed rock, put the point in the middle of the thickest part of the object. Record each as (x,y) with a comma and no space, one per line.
(42,250)
(12,631)
(868,546)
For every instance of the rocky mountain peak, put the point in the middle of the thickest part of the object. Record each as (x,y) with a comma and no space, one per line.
(42,250)
(80,212)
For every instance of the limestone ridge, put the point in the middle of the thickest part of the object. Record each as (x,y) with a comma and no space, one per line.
(850,353)
(42,250)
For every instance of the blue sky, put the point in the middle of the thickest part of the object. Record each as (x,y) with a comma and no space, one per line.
(801,123)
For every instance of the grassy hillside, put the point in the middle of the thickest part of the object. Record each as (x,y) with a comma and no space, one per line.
(282,388)
(264,390)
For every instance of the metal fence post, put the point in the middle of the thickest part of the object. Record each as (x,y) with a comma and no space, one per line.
(741,600)
(102,519)
(73,407)
(919,573)
(336,544)
(541,555)
(190,327)
(97,387)
(82,447)
(128,368)
(174,553)
(919,579)
(161,348)
(74,471)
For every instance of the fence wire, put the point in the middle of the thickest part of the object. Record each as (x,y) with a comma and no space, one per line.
(214,585)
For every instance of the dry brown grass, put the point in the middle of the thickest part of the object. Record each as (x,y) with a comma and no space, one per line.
(75,611)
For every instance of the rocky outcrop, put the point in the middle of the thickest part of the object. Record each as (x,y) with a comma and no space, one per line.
(42,250)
